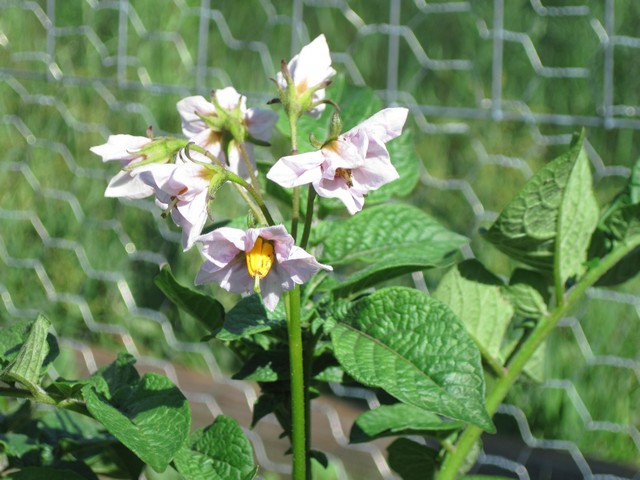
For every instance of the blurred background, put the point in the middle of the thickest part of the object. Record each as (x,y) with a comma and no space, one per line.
(495,89)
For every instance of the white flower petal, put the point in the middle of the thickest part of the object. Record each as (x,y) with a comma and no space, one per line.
(384,125)
(260,123)
(338,188)
(296,170)
(189,109)
(120,147)
(228,98)
(127,185)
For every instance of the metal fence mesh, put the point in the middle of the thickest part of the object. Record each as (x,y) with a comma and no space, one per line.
(493,86)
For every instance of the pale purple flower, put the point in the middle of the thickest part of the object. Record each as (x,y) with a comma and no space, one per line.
(258,124)
(230,253)
(126,150)
(309,69)
(350,166)
(183,190)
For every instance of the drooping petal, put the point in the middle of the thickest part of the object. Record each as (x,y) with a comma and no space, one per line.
(190,231)
(189,108)
(377,169)
(158,176)
(272,286)
(385,125)
(127,185)
(337,188)
(296,170)
(301,265)
(233,277)
(260,123)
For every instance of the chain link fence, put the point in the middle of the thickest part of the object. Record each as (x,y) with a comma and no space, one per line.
(495,89)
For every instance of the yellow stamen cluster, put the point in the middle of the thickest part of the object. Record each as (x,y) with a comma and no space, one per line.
(260,259)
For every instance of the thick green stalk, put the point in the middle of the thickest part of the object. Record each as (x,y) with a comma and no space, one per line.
(296,369)
(469,437)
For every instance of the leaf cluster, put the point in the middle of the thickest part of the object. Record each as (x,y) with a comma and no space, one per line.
(110,424)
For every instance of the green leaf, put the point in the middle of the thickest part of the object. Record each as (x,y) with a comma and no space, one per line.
(577,220)
(149,415)
(12,338)
(26,367)
(485,477)
(527,228)
(474,294)
(398,419)
(634,183)
(218,452)
(620,222)
(202,307)
(17,445)
(44,473)
(528,292)
(249,317)
(384,242)
(269,366)
(417,350)
(411,460)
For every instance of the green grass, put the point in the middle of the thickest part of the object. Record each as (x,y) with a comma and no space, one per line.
(67,117)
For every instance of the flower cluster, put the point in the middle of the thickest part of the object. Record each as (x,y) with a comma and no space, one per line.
(219,146)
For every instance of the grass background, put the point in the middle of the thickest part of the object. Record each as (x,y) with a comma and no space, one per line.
(72,72)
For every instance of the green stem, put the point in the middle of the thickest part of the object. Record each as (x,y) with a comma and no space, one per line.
(308,217)
(295,212)
(265,214)
(469,437)
(295,206)
(298,414)
(252,173)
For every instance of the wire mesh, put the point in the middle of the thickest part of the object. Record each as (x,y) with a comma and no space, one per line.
(493,87)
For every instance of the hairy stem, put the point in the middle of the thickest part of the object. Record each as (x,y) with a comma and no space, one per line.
(541,331)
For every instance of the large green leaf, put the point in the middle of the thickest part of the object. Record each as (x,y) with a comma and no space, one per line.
(219,452)
(249,317)
(398,419)
(528,227)
(202,307)
(44,473)
(577,220)
(416,349)
(384,242)
(26,367)
(411,460)
(474,295)
(149,415)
